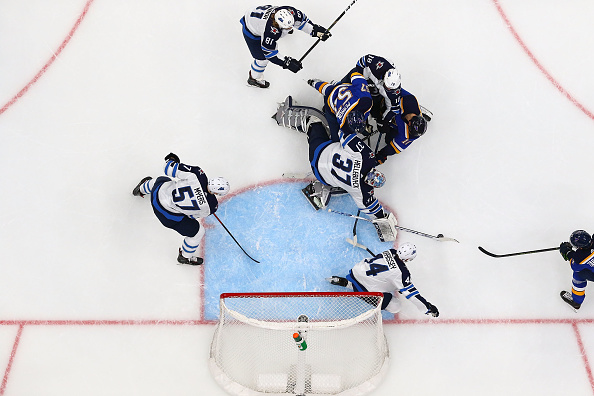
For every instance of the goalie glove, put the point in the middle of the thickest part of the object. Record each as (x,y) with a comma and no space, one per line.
(320,32)
(386,228)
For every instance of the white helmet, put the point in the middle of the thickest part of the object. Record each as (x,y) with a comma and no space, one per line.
(407,251)
(392,79)
(218,186)
(284,19)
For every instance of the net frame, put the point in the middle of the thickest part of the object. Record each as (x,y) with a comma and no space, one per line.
(317,326)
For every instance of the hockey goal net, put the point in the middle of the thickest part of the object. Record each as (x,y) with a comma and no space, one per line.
(255,348)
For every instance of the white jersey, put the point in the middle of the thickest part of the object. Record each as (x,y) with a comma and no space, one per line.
(187,193)
(387,273)
(345,164)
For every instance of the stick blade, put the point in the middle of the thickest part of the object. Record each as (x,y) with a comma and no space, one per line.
(446,239)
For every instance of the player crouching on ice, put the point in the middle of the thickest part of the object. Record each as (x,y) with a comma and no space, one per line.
(387,273)
(179,202)
(581,261)
(347,166)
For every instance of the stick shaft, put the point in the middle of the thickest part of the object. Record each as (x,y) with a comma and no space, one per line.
(231,235)
(331,26)
(517,253)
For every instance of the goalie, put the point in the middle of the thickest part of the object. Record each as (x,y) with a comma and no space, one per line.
(341,167)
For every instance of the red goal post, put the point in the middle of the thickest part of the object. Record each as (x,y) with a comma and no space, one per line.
(308,343)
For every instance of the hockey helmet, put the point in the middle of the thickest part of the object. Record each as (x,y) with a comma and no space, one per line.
(218,186)
(407,251)
(284,19)
(580,239)
(392,80)
(417,126)
(356,121)
(375,178)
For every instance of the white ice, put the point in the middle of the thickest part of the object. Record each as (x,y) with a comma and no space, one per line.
(506,164)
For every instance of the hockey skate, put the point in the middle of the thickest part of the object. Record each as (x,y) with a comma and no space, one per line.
(190,261)
(136,192)
(566,296)
(317,194)
(257,82)
(338,281)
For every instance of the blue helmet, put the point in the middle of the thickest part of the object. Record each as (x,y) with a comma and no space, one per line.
(580,239)
(356,121)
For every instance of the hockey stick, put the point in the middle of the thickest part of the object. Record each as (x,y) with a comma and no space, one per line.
(296,175)
(331,26)
(354,240)
(229,232)
(439,237)
(518,253)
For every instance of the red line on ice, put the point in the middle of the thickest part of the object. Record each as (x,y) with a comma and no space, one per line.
(578,336)
(12,354)
(539,65)
(50,61)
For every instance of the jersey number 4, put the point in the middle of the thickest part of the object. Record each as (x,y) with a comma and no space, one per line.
(375,269)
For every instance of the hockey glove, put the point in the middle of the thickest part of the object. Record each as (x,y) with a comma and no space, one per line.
(432,311)
(566,249)
(320,32)
(172,157)
(292,64)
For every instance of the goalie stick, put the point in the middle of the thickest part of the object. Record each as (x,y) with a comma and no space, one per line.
(354,240)
(231,235)
(439,237)
(517,253)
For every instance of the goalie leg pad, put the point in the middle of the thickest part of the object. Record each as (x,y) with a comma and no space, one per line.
(386,228)
(297,117)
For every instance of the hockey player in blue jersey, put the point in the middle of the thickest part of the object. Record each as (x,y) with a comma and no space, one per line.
(384,83)
(181,197)
(581,261)
(263,26)
(387,273)
(403,129)
(342,99)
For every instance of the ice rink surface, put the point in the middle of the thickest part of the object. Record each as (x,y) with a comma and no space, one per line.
(93,94)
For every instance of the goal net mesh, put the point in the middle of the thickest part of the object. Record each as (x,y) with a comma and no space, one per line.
(254,352)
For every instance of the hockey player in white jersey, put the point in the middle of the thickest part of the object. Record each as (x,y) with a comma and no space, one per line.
(180,198)
(387,273)
(263,26)
(347,166)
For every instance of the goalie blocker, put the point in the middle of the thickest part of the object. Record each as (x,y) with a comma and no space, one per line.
(386,228)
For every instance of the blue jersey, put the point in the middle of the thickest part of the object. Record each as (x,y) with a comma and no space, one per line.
(342,98)
(582,265)
(259,22)
(399,131)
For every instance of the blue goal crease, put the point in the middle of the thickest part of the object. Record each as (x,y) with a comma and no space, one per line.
(297,246)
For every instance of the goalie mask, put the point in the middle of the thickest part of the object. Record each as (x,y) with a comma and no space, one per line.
(284,19)
(218,186)
(407,251)
(375,178)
